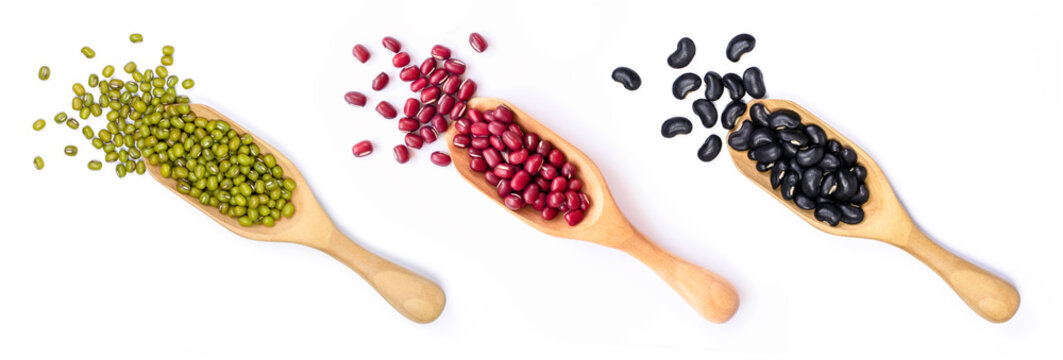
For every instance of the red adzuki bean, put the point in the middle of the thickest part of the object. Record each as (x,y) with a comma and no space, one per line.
(544,148)
(478,43)
(513,202)
(439,124)
(573,217)
(440,158)
(440,52)
(475,115)
(496,128)
(504,171)
(461,141)
(555,199)
(385,109)
(585,201)
(362,148)
(492,157)
(429,95)
(543,184)
(354,98)
(533,164)
(408,125)
(575,185)
(413,140)
(518,157)
(451,85)
(478,164)
(466,89)
(402,154)
(428,66)
(418,85)
(511,140)
(479,129)
(480,143)
(428,134)
(493,180)
(409,73)
(361,53)
(520,180)
(572,200)
(549,213)
(556,158)
(426,114)
(501,185)
(437,77)
(380,81)
(454,66)
(463,126)
(504,114)
(568,170)
(458,111)
(531,193)
(411,107)
(391,44)
(401,59)
(445,103)
(559,184)
(548,172)
(530,139)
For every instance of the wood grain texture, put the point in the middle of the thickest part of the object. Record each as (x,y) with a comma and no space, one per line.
(709,294)
(885,219)
(414,296)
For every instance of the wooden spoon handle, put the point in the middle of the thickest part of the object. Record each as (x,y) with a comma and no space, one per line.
(988,295)
(709,294)
(414,296)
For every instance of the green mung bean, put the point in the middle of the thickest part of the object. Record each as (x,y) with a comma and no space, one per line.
(188,83)
(120,170)
(39,124)
(107,71)
(87,131)
(94,80)
(130,67)
(70,150)
(166,60)
(95,165)
(73,123)
(79,89)
(89,53)
(135,38)
(38,163)
(44,73)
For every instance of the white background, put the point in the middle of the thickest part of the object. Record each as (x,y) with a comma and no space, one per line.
(958,102)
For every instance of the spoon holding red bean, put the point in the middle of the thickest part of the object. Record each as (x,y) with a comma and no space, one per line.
(709,294)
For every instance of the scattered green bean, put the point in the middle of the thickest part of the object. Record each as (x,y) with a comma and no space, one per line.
(79,89)
(70,150)
(89,53)
(188,83)
(39,124)
(73,123)
(130,67)
(95,165)
(94,80)
(167,50)
(60,118)
(44,73)
(38,163)
(108,71)
(166,60)
(120,170)
(135,38)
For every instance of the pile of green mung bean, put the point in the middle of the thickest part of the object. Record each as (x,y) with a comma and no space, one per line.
(148,120)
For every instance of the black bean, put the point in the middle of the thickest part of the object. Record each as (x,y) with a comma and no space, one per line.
(706,111)
(767,152)
(684,52)
(733,83)
(713,86)
(789,185)
(710,149)
(793,136)
(829,162)
(847,156)
(628,77)
(804,202)
(834,146)
(684,84)
(764,166)
(789,150)
(815,134)
(861,195)
(759,114)
(809,157)
(731,113)
(830,185)
(676,126)
(847,186)
(851,214)
(761,136)
(828,213)
(793,165)
(860,172)
(739,45)
(781,119)
(739,139)
(751,155)
(777,173)
(823,200)
(810,181)
(753,80)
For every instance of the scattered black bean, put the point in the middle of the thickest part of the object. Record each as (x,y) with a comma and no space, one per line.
(740,139)
(713,86)
(851,214)
(706,111)
(759,114)
(815,134)
(828,213)
(753,81)
(811,180)
(731,113)
(809,157)
(710,149)
(784,119)
(734,86)
(684,52)
(739,45)
(628,77)
(684,84)
(676,126)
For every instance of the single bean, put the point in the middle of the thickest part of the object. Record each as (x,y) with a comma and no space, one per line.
(88,52)
(684,52)
(861,195)
(391,44)
(829,162)
(39,124)
(360,53)
(400,60)
(477,42)
(355,98)
(784,119)
(795,137)
(676,126)
(385,109)
(413,140)
(753,81)
(731,113)
(440,52)
(847,186)
(829,186)
(789,186)
(629,78)
(762,136)
(135,38)
(95,165)
(362,148)
(402,154)
(815,134)
(713,86)
(740,139)
(38,163)
(767,152)
(44,73)
(706,111)
(739,45)
(847,156)
(710,149)
(860,172)
(70,150)
(380,81)
(734,86)
(811,180)
(828,213)
(684,84)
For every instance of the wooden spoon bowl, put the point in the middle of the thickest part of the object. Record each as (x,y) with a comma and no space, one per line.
(709,294)
(414,296)
(885,219)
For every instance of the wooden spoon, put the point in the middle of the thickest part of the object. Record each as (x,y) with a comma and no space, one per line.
(886,220)
(710,294)
(415,297)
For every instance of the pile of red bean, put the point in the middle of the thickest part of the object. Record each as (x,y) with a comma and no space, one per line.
(442,96)
(526,170)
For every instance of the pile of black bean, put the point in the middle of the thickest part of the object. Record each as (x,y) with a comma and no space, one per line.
(750,83)
(814,172)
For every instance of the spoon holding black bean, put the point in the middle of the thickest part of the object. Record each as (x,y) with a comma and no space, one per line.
(869,211)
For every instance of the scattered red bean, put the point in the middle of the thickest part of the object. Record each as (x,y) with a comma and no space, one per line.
(402,154)
(409,73)
(454,66)
(466,89)
(445,104)
(386,110)
(458,111)
(411,107)
(426,114)
(478,43)
(413,140)
(440,158)
(450,86)
(354,98)
(428,134)
(438,76)
(428,66)
(439,123)
(440,52)
(429,95)
(418,84)
(380,81)
(391,44)
(361,53)
(362,148)
(401,59)
(408,125)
